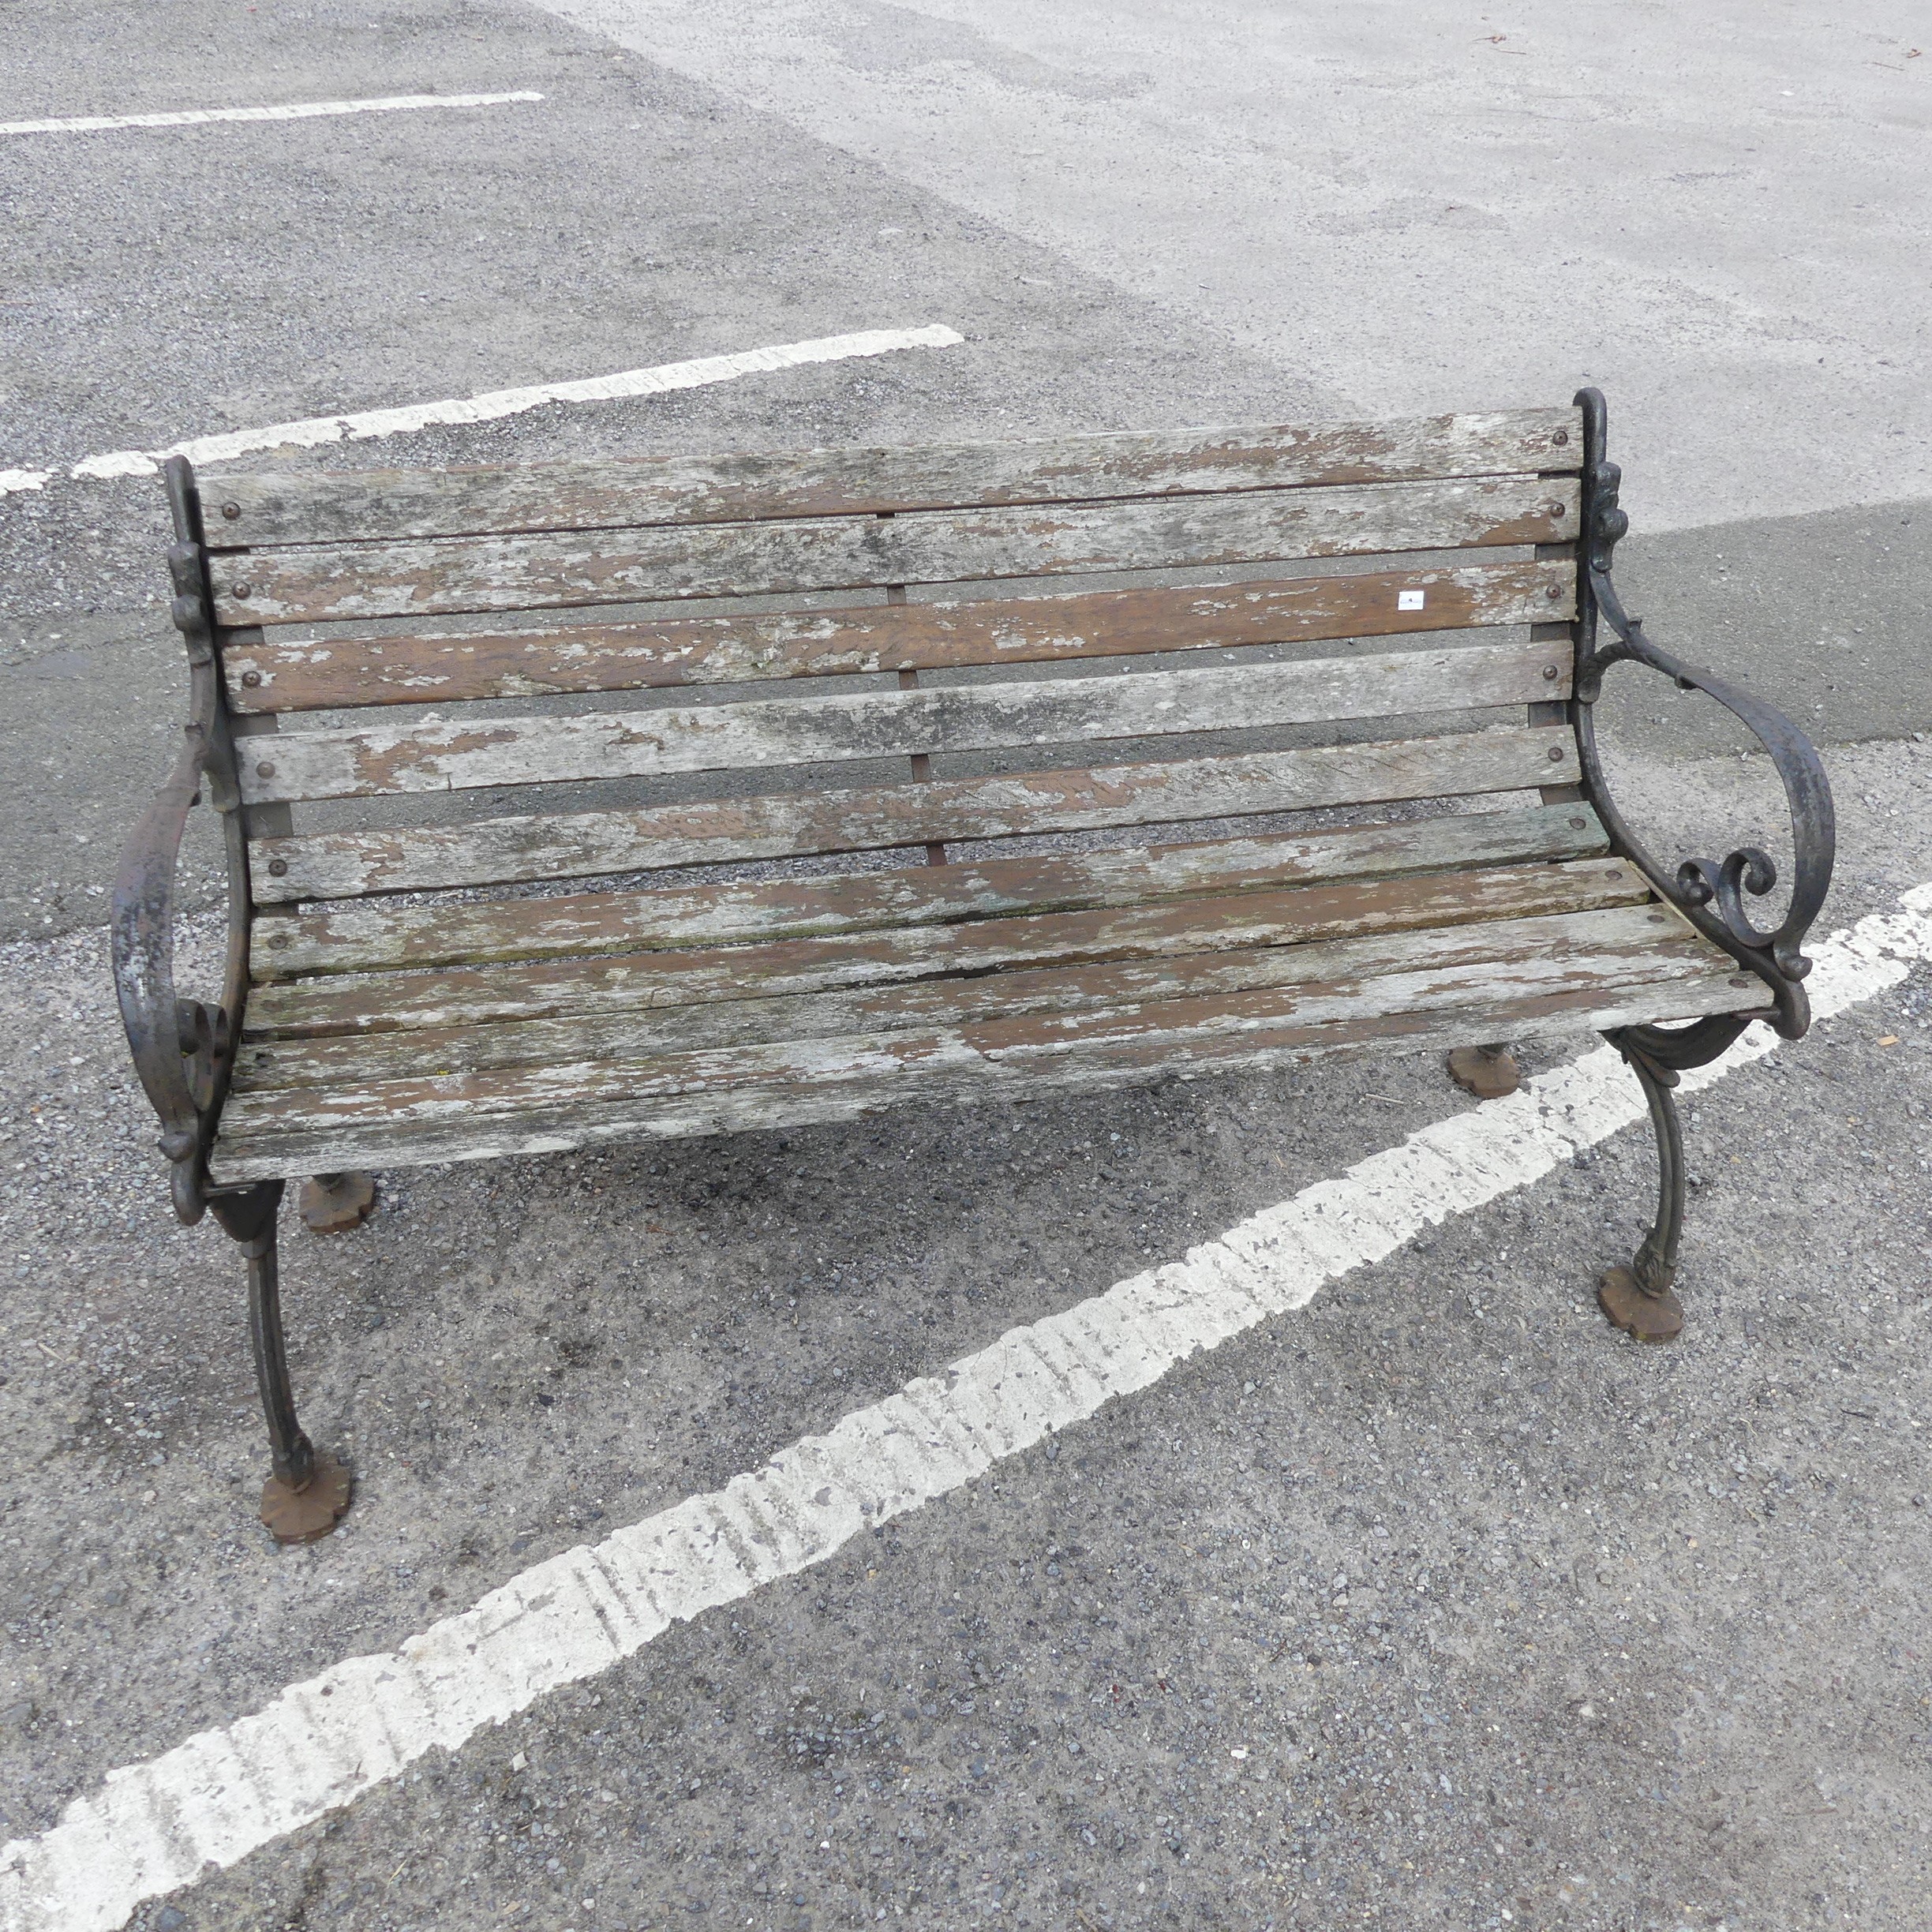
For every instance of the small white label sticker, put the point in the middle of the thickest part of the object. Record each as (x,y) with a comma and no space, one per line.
(1409,600)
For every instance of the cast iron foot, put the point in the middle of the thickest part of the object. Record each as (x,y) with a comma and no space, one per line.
(305,1515)
(1648,1317)
(1489,1072)
(333,1203)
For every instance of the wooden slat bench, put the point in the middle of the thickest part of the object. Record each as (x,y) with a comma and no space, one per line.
(582,802)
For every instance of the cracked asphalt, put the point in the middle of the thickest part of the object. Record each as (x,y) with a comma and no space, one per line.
(1436,1603)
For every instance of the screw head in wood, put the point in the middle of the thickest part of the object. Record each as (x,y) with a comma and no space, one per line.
(278,868)
(232,511)
(1562,435)
(1553,592)
(1555,511)
(1555,755)
(1576,825)
(1551,673)
(264,771)
(241,590)
(251,679)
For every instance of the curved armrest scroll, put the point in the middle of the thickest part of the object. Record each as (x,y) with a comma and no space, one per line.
(181,1047)
(177,1044)
(1712,894)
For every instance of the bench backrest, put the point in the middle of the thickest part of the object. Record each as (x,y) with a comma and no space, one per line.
(615,666)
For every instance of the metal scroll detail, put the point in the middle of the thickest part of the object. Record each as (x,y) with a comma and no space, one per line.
(183,1050)
(1713,895)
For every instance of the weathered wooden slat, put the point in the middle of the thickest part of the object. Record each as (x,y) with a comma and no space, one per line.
(343,671)
(1018,1038)
(470,753)
(341,865)
(564,982)
(488,1115)
(284,508)
(332,582)
(1650,939)
(737,911)
(577,991)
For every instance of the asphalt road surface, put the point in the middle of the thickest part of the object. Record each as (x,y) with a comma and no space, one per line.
(1432,1603)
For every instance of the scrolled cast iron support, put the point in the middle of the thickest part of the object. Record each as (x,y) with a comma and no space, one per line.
(183,1050)
(1711,894)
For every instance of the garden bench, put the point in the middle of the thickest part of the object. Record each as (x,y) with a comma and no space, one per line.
(1093,761)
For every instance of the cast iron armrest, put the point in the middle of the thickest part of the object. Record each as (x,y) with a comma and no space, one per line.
(1710,894)
(182,1049)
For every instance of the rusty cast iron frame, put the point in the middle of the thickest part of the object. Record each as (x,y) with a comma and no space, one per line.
(1710,894)
(184,1050)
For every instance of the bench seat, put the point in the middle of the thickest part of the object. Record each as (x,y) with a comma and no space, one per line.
(734,1006)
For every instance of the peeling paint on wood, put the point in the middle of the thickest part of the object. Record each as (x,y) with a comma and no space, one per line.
(306,508)
(346,671)
(579,963)
(698,1093)
(472,754)
(677,914)
(1234,958)
(588,844)
(335,582)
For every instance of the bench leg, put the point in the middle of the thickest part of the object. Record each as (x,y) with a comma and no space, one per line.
(306,1493)
(1641,1299)
(333,1203)
(1489,1072)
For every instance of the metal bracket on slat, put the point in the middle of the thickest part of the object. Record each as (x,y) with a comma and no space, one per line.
(909,680)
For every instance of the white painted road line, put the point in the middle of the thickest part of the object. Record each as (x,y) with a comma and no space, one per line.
(154,1827)
(297,111)
(12,479)
(493,403)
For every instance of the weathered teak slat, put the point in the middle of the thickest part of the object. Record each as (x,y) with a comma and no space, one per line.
(345,670)
(568,983)
(689,976)
(490,1115)
(565,1125)
(395,938)
(588,844)
(1235,955)
(295,508)
(471,753)
(344,582)
(736,911)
